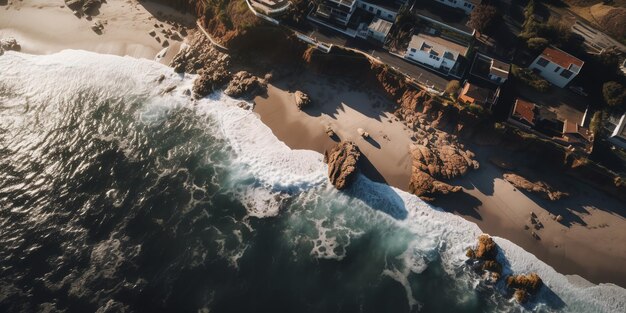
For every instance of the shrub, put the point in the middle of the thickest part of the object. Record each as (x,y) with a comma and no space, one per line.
(596,122)
(614,94)
(537,44)
(482,17)
(528,77)
(453,87)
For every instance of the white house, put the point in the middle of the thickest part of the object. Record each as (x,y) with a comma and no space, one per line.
(465,5)
(385,9)
(499,71)
(557,66)
(339,11)
(436,52)
(378,29)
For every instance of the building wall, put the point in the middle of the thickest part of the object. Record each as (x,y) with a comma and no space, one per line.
(552,73)
(497,79)
(466,6)
(383,13)
(376,35)
(423,57)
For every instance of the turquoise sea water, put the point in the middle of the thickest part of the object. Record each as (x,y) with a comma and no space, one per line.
(115,197)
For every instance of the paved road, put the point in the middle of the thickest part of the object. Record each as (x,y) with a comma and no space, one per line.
(420,74)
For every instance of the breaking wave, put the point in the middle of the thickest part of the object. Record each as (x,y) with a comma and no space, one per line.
(119,195)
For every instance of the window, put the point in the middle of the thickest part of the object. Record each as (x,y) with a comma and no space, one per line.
(377,12)
(542,62)
(567,73)
(390,16)
(413,50)
(558,68)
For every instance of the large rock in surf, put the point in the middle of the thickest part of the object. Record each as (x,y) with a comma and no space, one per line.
(245,85)
(9,43)
(199,57)
(484,255)
(537,187)
(342,163)
(524,285)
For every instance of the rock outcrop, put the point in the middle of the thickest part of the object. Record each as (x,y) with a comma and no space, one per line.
(84,6)
(245,85)
(302,99)
(199,57)
(537,187)
(9,43)
(438,155)
(524,285)
(484,256)
(342,163)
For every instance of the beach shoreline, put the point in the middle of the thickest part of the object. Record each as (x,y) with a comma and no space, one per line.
(586,244)
(585,247)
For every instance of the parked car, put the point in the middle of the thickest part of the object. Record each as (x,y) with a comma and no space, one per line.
(578,90)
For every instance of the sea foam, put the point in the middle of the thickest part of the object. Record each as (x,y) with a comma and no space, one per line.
(275,169)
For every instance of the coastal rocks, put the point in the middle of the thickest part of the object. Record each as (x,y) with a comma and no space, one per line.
(438,156)
(84,6)
(200,54)
(302,99)
(424,185)
(342,163)
(97,27)
(208,81)
(9,43)
(245,85)
(524,285)
(201,58)
(537,187)
(484,256)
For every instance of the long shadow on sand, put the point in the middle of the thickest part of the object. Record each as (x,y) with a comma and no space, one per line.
(582,197)
(461,203)
(325,91)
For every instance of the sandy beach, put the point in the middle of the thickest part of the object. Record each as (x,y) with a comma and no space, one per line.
(590,242)
(126,28)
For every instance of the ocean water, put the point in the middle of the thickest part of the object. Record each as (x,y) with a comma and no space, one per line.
(117,197)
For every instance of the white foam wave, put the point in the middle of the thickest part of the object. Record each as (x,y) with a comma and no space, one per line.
(276,168)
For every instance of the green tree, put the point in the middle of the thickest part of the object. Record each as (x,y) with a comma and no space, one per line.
(482,17)
(614,94)
(537,44)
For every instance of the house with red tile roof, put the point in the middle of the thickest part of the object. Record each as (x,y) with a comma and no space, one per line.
(557,66)
(524,114)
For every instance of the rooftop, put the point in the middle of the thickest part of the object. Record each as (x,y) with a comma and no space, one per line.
(443,14)
(380,26)
(524,110)
(437,46)
(393,5)
(475,92)
(499,68)
(344,2)
(562,58)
